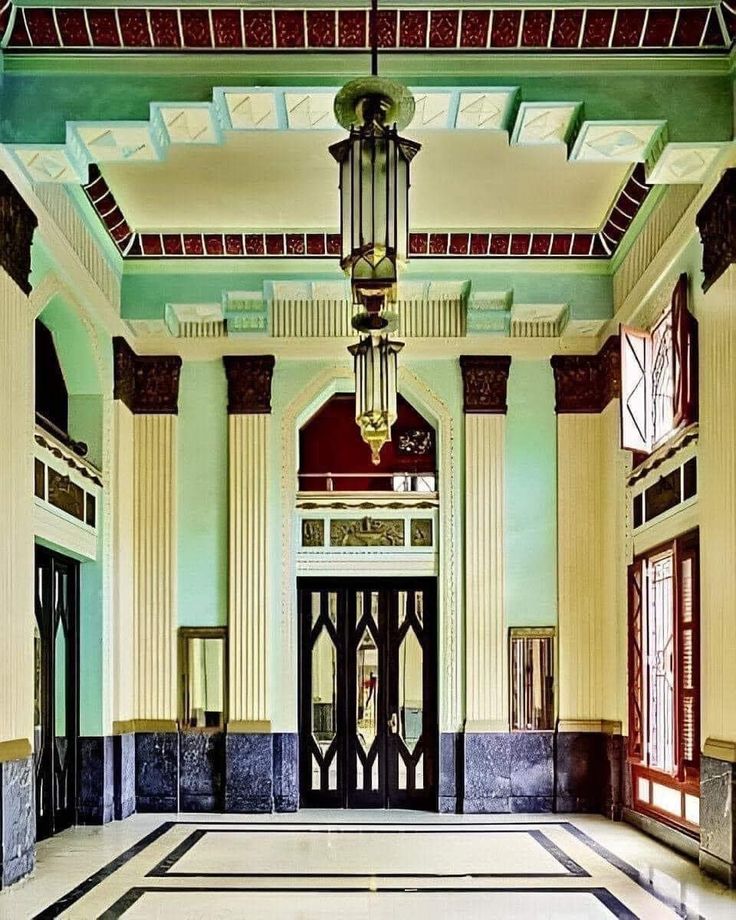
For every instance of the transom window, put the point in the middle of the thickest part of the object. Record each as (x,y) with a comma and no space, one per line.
(659,375)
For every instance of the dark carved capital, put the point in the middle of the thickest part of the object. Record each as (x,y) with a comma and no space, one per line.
(249,383)
(716,221)
(17,223)
(587,383)
(147,384)
(484,383)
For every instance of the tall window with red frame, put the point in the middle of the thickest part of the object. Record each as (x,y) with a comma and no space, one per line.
(664,682)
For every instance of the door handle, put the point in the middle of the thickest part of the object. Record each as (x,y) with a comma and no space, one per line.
(393,723)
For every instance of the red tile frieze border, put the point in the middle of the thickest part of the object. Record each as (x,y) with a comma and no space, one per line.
(432,244)
(187,28)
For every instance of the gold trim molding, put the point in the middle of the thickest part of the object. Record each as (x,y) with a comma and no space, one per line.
(719,749)
(239,727)
(144,725)
(18,749)
(605,726)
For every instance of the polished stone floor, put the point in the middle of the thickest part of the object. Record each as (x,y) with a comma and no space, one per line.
(363,866)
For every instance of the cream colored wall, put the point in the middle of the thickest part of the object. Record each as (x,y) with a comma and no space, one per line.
(591,572)
(121,480)
(717,499)
(16,527)
(154,634)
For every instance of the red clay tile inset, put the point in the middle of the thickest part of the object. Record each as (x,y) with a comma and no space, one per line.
(254,244)
(505,28)
(193,244)
(474,29)
(713,37)
(499,244)
(658,32)
(627,32)
(479,244)
(566,28)
(315,244)
(134,28)
(561,243)
(351,29)
(227,29)
(443,28)
(233,244)
(41,27)
(195,28)
(274,244)
(459,244)
(387,28)
(437,244)
(72,28)
(258,28)
(321,28)
(418,244)
(165,28)
(690,28)
(172,244)
(19,37)
(535,30)
(151,244)
(213,244)
(103,28)
(598,25)
(289,28)
(295,244)
(582,244)
(334,244)
(520,244)
(541,243)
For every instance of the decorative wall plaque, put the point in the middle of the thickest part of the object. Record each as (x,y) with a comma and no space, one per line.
(367,531)
(421,532)
(587,383)
(17,223)
(716,221)
(313,532)
(485,378)
(147,384)
(249,383)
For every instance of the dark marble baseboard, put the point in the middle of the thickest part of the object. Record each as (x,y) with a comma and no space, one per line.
(249,773)
(95,780)
(17,821)
(123,762)
(286,771)
(450,771)
(157,771)
(718,819)
(201,771)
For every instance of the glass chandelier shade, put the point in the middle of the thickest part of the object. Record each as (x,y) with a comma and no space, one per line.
(374,194)
(376,383)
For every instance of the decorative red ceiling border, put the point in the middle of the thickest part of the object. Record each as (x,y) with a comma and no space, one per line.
(614,29)
(427,244)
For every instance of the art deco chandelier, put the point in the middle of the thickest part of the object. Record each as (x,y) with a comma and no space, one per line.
(374,165)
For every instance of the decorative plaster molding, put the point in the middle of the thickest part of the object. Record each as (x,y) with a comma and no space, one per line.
(614,29)
(484,383)
(147,384)
(249,383)
(17,223)
(587,383)
(716,221)
(720,749)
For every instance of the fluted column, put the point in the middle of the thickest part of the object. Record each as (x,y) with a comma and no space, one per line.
(149,385)
(17,620)
(487,695)
(249,407)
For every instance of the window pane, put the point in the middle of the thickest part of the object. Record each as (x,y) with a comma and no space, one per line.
(660,665)
(532,680)
(663,378)
(204,682)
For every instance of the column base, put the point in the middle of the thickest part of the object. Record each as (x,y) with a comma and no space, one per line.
(718,818)
(17,820)
(157,771)
(123,763)
(95,789)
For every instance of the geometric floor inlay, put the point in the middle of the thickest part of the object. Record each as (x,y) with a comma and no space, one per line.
(495,870)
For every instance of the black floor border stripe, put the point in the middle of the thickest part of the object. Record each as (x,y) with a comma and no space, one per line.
(133,895)
(163,869)
(71,897)
(682,910)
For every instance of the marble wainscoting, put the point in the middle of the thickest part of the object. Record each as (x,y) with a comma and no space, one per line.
(261,772)
(202,771)
(450,772)
(542,772)
(718,819)
(17,820)
(123,762)
(157,771)
(95,780)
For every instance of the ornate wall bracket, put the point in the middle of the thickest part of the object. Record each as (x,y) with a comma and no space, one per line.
(17,223)
(147,384)
(587,383)
(485,378)
(716,221)
(249,384)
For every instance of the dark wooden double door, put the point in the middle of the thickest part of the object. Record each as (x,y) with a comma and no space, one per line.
(368,693)
(56,696)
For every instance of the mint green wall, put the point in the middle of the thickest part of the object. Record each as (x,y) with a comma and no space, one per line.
(202,494)
(531,495)
(91,639)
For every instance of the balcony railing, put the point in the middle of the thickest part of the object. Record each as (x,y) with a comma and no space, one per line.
(403,481)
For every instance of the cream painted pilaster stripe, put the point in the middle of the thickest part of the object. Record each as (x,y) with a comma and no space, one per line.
(249,591)
(486,651)
(154,489)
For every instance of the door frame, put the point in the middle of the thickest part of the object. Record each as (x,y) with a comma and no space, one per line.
(52,821)
(346,587)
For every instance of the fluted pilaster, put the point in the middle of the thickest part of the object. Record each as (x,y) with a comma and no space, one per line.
(123,554)
(249,594)
(487,706)
(154,488)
